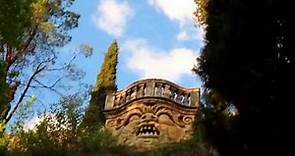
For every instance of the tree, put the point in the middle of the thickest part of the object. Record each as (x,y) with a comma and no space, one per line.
(247,59)
(105,83)
(56,132)
(10,30)
(30,33)
(201,12)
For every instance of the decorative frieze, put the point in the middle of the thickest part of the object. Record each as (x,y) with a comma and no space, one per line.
(150,112)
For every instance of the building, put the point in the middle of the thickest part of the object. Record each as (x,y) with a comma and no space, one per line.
(151,112)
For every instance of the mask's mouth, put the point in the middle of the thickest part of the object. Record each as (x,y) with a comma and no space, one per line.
(148,130)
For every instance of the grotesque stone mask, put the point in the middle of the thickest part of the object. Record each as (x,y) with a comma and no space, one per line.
(146,121)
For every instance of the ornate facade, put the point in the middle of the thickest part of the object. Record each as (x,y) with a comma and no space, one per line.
(150,112)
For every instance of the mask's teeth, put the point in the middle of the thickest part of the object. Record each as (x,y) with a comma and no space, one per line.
(147,130)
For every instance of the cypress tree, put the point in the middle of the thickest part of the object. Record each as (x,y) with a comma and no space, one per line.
(105,83)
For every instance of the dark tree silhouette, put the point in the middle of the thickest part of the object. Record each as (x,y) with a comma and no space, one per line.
(248,59)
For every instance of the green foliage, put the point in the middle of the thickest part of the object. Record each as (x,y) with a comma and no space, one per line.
(98,141)
(23,114)
(107,75)
(105,83)
(15,17)
(3,140)
(25,107)
(188,147)
(4,92)
(30,32)
(247,58)
(58,134)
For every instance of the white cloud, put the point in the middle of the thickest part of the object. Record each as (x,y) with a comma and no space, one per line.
(188,32)
(36,120)
(182,35)
(180,11)
(152,63)
(31,124)
(112,16)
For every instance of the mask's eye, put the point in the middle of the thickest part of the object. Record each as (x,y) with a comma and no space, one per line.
(134,117)
(165,119)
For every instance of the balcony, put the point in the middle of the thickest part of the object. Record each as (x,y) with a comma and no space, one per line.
(153,88)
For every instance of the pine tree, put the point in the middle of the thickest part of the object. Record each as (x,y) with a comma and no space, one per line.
(105,83)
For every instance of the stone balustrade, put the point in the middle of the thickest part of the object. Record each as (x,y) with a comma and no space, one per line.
(153,88)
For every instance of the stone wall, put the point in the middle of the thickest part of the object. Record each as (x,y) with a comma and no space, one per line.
(150,112)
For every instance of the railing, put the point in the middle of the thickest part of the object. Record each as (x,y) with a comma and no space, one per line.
(156,88)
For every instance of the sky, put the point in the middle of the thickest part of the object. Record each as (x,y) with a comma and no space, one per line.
(157,39)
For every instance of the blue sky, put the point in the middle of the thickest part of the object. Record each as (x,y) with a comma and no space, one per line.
(157,38)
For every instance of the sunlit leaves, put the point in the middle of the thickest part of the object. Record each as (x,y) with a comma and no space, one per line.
(39,10)
(2,127)
(46,27)
(3,140)
(201,13)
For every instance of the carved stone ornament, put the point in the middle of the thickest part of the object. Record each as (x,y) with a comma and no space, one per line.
(151,112)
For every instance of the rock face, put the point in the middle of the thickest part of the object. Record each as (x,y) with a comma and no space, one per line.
(151,112)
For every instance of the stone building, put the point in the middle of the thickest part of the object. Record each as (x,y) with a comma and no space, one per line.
(150,112)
